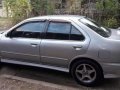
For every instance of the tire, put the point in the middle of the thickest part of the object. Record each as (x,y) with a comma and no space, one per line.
(87,73)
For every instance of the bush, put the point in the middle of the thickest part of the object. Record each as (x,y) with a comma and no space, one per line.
(17,9)
(111,23)
(42,7)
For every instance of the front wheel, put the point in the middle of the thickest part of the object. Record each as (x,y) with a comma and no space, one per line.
(87,73)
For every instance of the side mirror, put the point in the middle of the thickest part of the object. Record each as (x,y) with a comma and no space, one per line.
(9,34)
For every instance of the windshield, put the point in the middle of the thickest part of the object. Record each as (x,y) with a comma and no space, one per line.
(105,32)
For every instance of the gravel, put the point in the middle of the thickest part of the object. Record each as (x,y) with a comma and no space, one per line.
(14,84)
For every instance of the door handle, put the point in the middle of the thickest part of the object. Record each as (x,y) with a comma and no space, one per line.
(33,44)
(77,47)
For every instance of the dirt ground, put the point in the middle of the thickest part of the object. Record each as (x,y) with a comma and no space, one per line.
(9,83)
(17,77)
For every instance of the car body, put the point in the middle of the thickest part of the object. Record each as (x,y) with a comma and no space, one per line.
(60,42)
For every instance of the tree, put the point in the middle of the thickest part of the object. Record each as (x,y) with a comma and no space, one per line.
(75,6)
(50,8)
(42,7)
(108,9)
(38,7)
(17,9)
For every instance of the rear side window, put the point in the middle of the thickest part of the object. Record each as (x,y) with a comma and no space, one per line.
(76,34)
(58,30)
(63,31)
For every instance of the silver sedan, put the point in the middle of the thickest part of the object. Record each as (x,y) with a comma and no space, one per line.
(68,43)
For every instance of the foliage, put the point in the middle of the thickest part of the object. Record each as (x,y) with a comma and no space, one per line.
(42,7)
(111,23)
(107,4)
(21,9)
(38,7)
(50,8)
(74,8)
(17,9)
(108,12)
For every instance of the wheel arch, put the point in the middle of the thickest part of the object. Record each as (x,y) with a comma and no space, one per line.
(83,58)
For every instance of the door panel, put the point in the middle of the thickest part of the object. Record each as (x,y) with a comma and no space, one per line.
(59,52)
(22,49)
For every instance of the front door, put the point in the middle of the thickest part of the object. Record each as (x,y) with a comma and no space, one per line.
(63,42)
(23,43)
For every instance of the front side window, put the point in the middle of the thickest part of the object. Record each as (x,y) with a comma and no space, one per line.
(58,30)
(29,30)
(96,27)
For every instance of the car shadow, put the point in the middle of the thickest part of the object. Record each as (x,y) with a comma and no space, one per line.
(55,77)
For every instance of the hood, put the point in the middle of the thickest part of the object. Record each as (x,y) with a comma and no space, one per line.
(115,34)
(2,31)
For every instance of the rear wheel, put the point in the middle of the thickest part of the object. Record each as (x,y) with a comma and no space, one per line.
(87,73)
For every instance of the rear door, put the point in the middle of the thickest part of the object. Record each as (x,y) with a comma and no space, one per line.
(63,41)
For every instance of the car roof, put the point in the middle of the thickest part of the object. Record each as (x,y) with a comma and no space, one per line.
(63,17)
